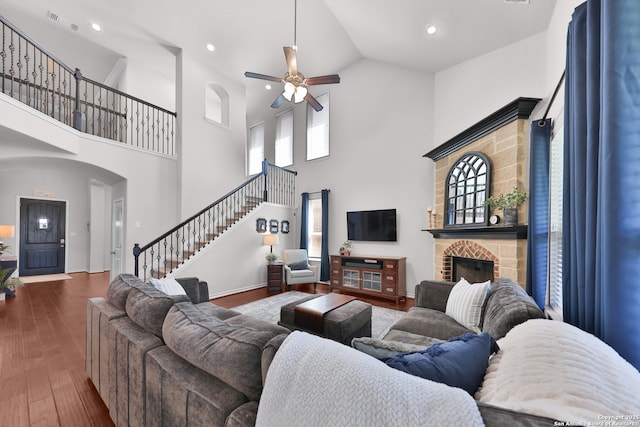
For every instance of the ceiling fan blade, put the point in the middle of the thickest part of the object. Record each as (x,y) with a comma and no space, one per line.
(262,77)
(322,80)
(292,62)
(278,102)
(313,102)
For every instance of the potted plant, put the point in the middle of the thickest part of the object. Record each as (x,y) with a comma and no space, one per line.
(271,257)
(345,248)
(508,204)
(3,247)
(8,284)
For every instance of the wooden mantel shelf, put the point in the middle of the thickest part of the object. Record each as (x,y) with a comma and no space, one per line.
(490,232)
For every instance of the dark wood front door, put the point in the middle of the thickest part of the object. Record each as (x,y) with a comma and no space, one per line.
(42,237)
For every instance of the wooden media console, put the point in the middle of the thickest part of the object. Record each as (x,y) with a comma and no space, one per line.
(372,275)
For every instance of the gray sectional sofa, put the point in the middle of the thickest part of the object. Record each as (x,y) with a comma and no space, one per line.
(508,305)
(160,359)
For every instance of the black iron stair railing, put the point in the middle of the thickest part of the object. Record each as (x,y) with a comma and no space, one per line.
(168,251)
(35,77)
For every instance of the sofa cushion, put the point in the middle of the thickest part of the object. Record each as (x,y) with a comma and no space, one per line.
(433,294)
(217,311)
(466,301)
(508,305)
(232,353)
(460,362)
(429,323)
(168,285)
(147,307)
(385,349)
(119,289)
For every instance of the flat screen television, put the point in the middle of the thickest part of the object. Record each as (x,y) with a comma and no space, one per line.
(378,225)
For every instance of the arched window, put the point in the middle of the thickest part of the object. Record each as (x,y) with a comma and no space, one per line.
(217,104)
(466,189)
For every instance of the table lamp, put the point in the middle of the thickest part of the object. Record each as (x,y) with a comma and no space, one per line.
(270,240)
(6,231)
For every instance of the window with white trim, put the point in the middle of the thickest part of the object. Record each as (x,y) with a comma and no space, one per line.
(556,166)
(318,129)
(255,149)
(216,104)
(314,222)
(284,138)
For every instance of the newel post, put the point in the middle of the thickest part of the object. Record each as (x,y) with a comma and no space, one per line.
(265,170)
(77,114)
(136,253)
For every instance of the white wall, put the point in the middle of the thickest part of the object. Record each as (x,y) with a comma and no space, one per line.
(470,91)
(211,156)
(378,136)
(235,261)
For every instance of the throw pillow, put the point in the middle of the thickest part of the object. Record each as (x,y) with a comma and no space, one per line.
(466,301)
(460,362)
(168,285)
(300,265)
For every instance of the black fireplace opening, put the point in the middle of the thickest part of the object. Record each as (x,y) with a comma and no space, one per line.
(473,270)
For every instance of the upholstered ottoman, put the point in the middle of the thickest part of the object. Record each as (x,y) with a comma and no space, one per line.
(341,324)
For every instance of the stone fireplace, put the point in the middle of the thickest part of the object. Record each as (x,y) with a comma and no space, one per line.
(502,138)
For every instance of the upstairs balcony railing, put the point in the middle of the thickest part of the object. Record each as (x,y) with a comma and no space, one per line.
(168,251)
(33,76)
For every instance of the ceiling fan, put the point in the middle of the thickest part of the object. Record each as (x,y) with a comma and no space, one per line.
(295,83)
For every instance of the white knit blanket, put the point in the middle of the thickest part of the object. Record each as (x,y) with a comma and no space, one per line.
(550,368)
(313,381)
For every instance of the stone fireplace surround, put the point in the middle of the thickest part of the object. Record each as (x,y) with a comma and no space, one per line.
(502,137)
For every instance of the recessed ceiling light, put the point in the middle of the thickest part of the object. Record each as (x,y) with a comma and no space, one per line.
(96,27)
(267,87)
(210,47)
(431,29)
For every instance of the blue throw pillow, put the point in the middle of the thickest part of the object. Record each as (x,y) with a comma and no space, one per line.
(460,362)
(300,265)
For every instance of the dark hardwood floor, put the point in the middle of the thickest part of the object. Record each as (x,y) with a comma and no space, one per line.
(42,350)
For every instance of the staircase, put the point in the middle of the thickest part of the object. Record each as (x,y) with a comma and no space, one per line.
(168,252)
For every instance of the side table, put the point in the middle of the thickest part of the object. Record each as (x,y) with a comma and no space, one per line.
(275,276)
(10,262)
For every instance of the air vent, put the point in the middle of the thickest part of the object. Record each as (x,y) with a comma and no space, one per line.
(62,21)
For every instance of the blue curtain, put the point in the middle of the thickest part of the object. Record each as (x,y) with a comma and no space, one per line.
(538,216)
(324,250)
(601,235)
(304,221)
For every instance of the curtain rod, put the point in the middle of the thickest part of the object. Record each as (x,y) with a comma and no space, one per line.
(315,192)
(553,98)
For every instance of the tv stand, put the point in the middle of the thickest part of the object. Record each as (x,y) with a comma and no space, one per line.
(383,277)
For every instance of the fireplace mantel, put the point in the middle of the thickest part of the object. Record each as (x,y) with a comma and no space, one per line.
(491,232)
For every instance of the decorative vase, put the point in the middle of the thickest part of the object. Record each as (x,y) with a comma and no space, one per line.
(510,216)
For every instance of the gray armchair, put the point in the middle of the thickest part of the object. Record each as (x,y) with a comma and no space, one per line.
(297,268)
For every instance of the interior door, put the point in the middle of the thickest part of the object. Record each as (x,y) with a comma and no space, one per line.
(42,237)
(117,238)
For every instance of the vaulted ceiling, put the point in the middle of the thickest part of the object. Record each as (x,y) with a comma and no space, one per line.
(248,35)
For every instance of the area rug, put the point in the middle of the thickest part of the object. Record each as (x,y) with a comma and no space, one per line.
(45,278)
(268,309)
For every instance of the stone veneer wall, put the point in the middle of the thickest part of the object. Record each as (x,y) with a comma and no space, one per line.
(506,149)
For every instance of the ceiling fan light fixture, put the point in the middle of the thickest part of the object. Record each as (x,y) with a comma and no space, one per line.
(300,94)
(289,90)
